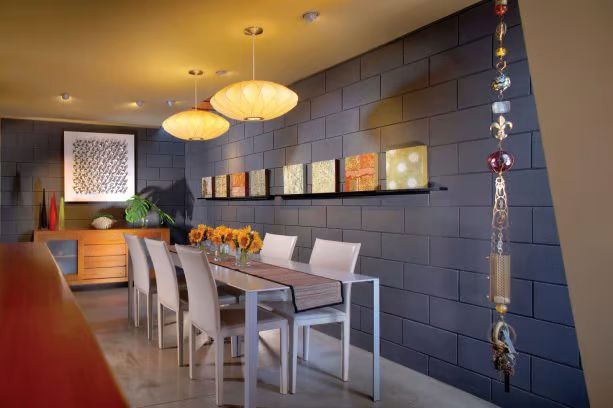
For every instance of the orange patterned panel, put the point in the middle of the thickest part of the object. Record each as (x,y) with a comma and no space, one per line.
(238,184)
(362,172)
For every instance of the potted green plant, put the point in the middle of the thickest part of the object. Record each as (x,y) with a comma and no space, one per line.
(138,208)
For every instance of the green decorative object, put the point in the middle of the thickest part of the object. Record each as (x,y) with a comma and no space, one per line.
(61,215)
(139,207)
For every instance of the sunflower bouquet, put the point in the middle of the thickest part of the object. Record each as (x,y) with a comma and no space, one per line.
(221,237)
(245,241)
(200,234)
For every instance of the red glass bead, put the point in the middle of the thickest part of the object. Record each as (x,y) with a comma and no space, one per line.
(500,161)
(500,9)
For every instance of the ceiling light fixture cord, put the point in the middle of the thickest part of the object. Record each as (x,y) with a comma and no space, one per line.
(253,55)
(195,93)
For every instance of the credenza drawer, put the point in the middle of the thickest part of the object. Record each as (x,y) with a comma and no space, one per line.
(104,250)
(102,237)
(101,273)
(104,261)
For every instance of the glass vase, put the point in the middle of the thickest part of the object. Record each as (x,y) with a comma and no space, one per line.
(242,258)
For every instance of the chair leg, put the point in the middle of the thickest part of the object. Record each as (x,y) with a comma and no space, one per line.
(219,360)
(192,350)
(160,325)
(345,340)
(283,349)
(149,315)
(136,308)
(293,347)
(306,337)
(235,346)
(180,337)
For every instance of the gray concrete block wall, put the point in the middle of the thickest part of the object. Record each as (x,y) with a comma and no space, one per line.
(32,159)
(431,87)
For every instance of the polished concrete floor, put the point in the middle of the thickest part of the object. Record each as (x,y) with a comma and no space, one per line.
(150,377)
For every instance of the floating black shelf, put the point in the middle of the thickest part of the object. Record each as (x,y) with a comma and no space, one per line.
(268,197)
(344,194)
(339,194)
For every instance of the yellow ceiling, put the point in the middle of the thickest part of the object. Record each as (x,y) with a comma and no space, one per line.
(109,53)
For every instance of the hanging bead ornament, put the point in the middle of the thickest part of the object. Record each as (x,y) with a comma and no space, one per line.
(504,354)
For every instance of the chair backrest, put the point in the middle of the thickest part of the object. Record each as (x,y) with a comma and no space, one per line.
(340,256)
(140,265)
(278,246)
(201,289)
(165,274)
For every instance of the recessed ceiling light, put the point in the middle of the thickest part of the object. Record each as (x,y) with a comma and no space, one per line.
(139,103)
(170,103)
(221,72)
(310,16)
(65,96)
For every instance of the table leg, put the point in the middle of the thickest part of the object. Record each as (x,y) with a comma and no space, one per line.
(376,370)
(251,347)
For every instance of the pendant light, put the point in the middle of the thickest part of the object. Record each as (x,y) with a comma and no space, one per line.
(195,124)
(254,100)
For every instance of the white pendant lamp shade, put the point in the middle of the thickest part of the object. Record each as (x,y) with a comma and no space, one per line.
(254,100)
(196,125)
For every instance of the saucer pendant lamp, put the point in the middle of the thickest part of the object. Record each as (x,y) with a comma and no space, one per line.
(196,124)
(254,100)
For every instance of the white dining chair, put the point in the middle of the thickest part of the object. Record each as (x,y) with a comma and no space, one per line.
(170,296)
(332,255)
(219,323)
(273,246)
(143,281)
(278,246)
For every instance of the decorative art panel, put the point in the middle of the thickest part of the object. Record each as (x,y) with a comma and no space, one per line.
(239,184)
(207,187)
(362,172)
(221,186)
(294,179)
(325,176)
(98,166)
(258,183)
(407,168)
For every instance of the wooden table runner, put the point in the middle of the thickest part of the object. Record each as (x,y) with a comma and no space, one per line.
(308,291)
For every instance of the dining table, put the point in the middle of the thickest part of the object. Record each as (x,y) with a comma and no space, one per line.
(252,286)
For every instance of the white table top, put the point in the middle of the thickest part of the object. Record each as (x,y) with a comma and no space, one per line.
(250,283)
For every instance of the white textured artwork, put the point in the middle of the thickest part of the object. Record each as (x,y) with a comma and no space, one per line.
(98,166)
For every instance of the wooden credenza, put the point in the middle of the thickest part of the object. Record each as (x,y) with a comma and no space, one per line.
(101,255)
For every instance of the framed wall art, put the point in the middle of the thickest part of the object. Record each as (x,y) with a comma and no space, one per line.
(407,168)
(294,179)
(258,183)
(222,186)
(98,167)
(207,187)
(362,172)
(325,176)
(239,184)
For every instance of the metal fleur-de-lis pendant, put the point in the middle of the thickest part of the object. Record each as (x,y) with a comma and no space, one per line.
(501,125)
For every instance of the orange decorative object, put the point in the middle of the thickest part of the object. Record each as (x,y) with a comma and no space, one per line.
(239,184)
(362,172)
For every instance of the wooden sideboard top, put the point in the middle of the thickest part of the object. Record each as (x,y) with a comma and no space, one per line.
(122,229)
(48,352)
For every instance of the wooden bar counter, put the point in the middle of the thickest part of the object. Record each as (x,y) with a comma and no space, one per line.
(48,354)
